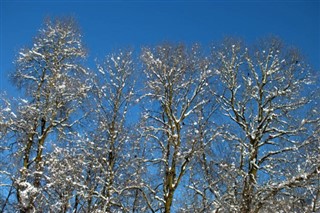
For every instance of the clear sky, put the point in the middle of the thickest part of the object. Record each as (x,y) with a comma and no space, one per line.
(109,25)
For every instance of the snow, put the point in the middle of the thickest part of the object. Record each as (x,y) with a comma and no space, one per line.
(63,86)
(22,54)
(37,53)
(7,109)
(27,191)
(308,82)
(101,71)
(149,139)
(24,101)
(14,115)
(249,81)
(253,135)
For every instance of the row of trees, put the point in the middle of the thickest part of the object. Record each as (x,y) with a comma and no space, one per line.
(176,129)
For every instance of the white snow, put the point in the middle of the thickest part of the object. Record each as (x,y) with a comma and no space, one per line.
(7,109)
(175,136)
(63,86)
(14,115)
(24,101)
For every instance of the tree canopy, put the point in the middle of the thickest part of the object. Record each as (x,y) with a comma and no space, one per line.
(168,128)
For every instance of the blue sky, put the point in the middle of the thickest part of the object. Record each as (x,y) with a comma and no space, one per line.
(109,25)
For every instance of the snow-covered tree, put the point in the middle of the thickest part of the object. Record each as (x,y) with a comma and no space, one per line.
(266,97)
(176,113)
(6,187)
(52,78)
(233,130)
(108,152)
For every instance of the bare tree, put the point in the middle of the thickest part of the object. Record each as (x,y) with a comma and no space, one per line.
(177,105)
(232,131)
(108,156)
(6,115)
(266,95)
(51,75)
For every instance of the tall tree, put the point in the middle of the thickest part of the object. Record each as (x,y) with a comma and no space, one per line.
(232,131)
(177,104)
(53,79)
(108,152)
(266,96)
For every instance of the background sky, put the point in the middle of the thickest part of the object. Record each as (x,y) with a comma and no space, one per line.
(109,25)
